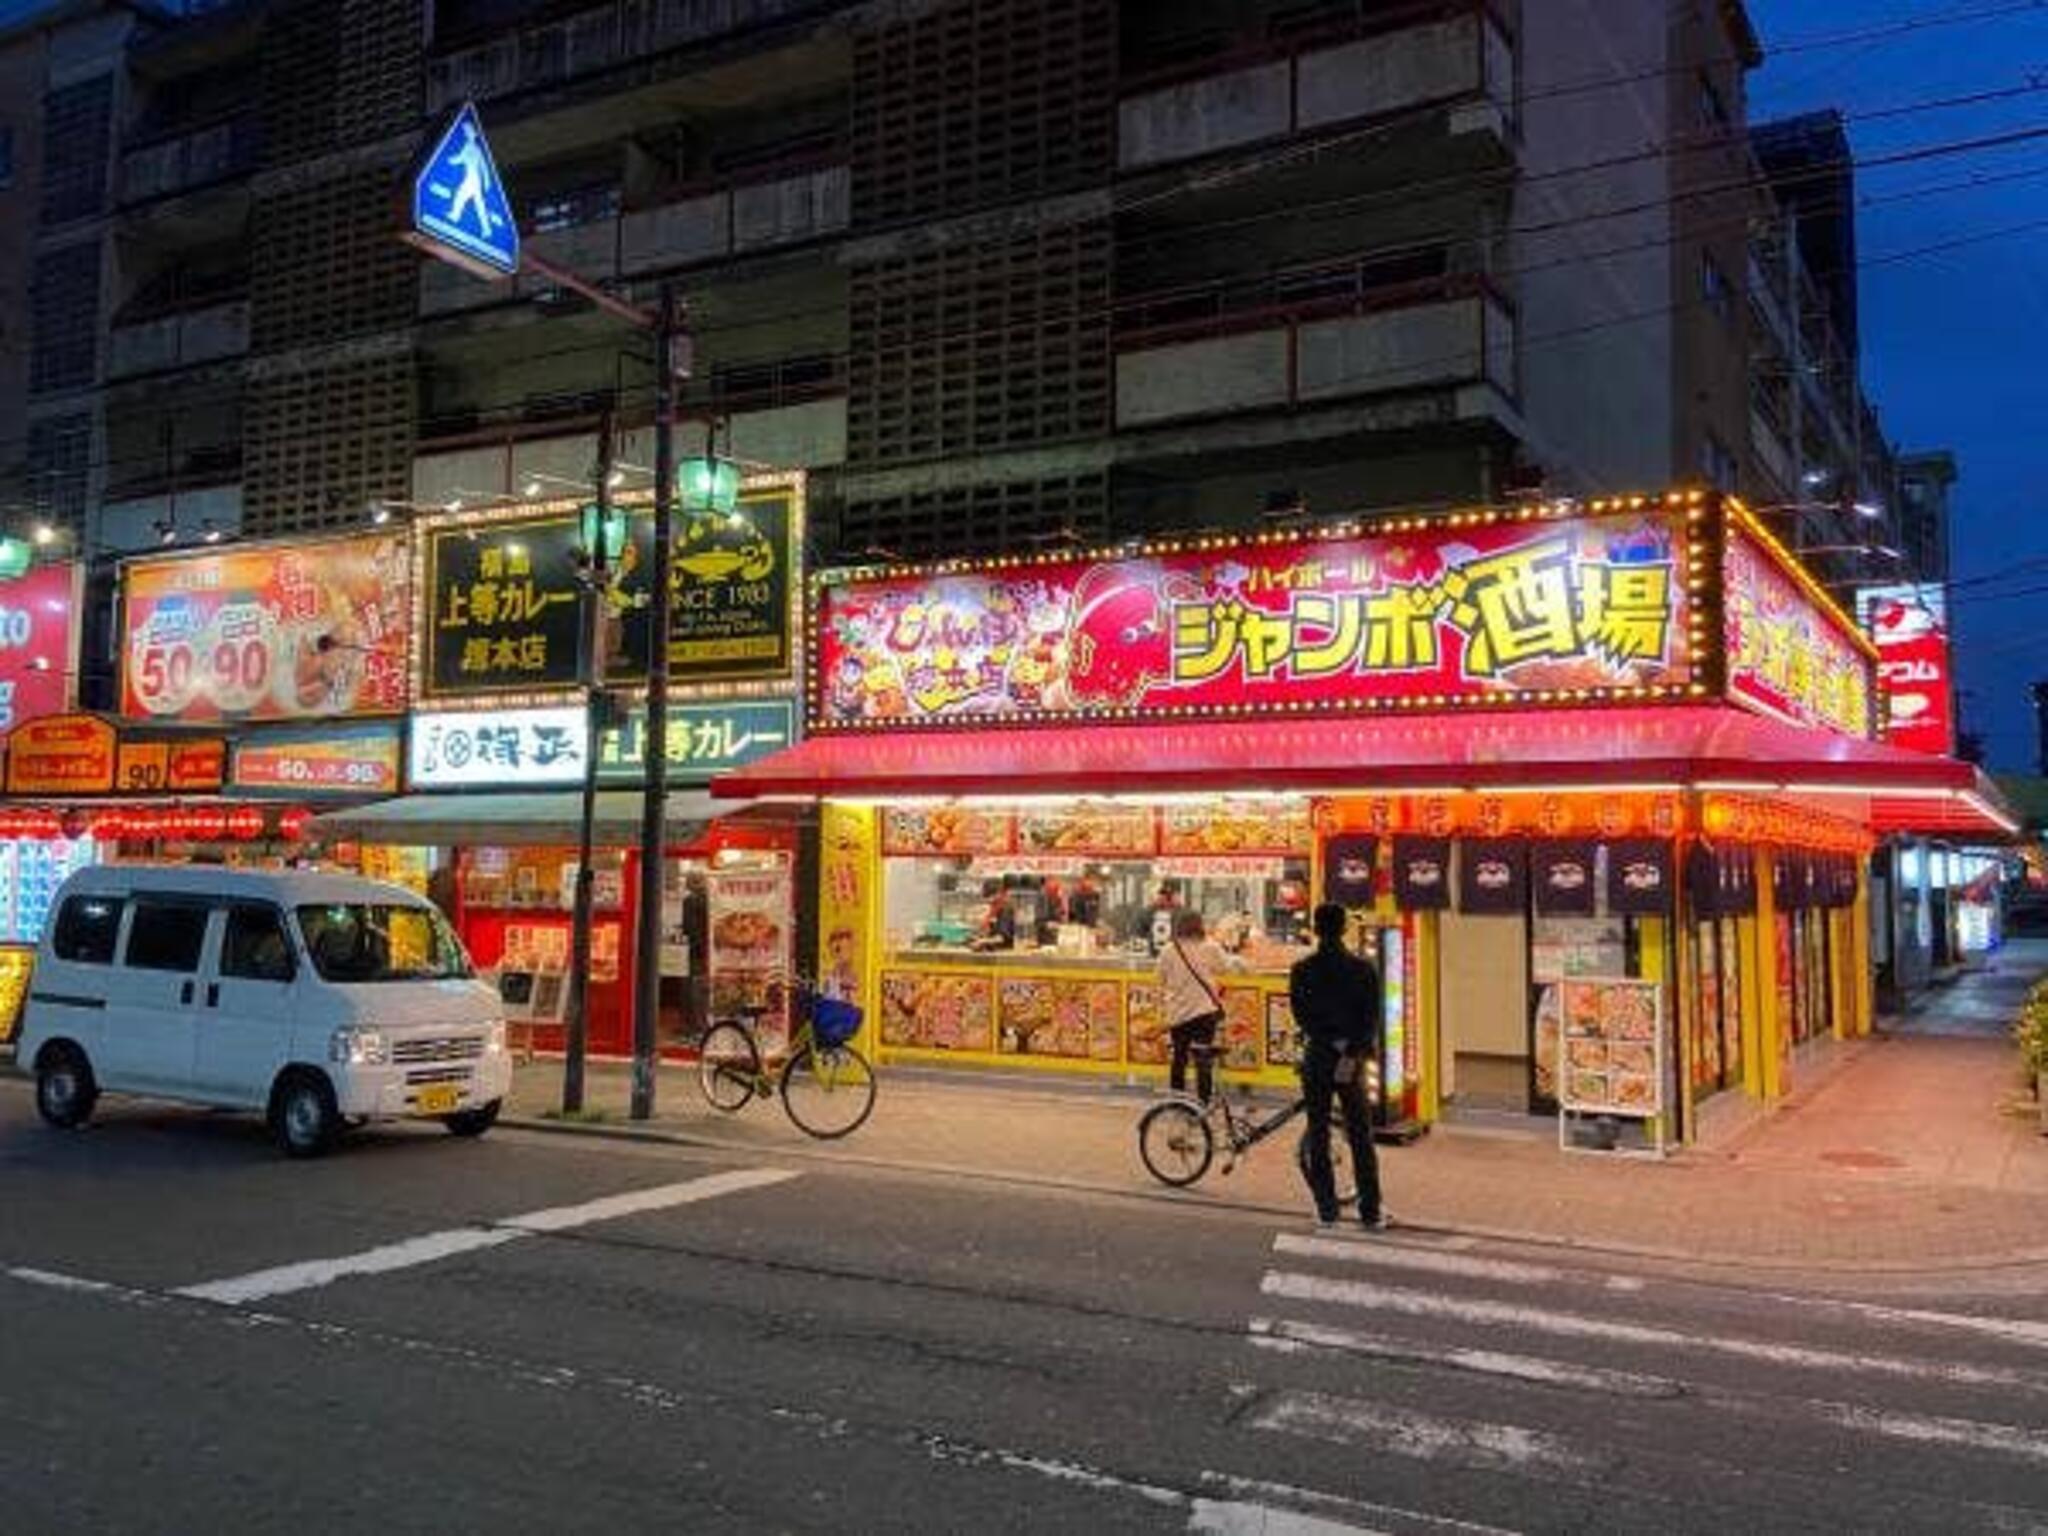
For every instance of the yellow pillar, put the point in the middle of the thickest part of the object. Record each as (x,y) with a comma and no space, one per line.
(1770,1073)
(1863,978)
(1751,953)
(850,910)
(1428,980)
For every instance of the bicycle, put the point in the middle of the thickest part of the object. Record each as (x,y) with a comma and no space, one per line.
(1177,1138)
(827,1087)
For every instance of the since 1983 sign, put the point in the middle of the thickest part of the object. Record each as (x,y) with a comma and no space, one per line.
(501,606)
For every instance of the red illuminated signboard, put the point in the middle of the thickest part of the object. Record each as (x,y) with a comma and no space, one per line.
(358,762)
(38,631)
(61,755)
(1787,655)
(291,632)
(1909,627)
(1421,614)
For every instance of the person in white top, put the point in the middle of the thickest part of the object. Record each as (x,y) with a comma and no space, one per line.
(1190,1006)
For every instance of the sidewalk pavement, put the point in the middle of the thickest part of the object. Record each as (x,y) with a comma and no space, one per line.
(1915,1153)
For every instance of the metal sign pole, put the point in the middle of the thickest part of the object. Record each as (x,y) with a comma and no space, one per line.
(669,364)
(459,212)
(597,579)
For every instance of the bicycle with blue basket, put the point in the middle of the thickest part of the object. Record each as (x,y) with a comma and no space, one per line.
(827,1086)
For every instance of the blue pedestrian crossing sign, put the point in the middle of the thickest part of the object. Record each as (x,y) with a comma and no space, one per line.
(460,211)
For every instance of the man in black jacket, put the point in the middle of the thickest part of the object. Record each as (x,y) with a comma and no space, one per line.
(1336,998)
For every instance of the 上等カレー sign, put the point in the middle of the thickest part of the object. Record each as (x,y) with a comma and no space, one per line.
(703,739)
(284,632)
(503,600)
(1451,610)
(504,606)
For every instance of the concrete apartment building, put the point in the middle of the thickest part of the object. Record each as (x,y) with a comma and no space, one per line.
(999,273)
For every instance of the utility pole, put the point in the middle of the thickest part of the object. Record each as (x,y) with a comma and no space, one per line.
(596,593)
(671,361)
(1796,342)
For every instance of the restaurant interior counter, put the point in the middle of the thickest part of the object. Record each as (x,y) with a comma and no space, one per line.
(1057,959)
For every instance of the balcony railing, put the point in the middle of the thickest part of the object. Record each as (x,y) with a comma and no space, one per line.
(179,341)
(218,152)
(1413,59)
(594,39)
(1435,334)
(707,226)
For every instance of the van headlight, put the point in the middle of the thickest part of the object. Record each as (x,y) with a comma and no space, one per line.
(494,1039)
(359,1048)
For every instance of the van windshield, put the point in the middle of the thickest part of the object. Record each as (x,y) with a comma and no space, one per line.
(375,941)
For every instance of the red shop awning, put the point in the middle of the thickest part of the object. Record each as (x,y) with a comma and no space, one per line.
(1701,746)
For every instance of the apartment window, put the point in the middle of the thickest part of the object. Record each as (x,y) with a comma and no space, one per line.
(1713,106)
(1714,287)
(1718,465)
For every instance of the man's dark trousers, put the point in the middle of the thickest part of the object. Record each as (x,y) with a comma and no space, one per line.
(1318,1083)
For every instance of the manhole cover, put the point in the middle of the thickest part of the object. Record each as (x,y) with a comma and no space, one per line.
(1857,1157)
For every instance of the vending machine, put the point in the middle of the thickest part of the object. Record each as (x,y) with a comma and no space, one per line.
(1397,1099)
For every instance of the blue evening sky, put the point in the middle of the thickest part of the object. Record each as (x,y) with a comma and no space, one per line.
(1953,344)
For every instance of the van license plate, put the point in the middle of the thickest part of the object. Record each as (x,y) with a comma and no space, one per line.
(438,1099)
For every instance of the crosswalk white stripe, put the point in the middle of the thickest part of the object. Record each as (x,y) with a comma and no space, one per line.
(1287,1334)
(1214,1517)
(2012,1330)
(1421,1436)
(1930,1429)
(1283,1495)
(1395,1256)
(1369,1296)
(309,1274)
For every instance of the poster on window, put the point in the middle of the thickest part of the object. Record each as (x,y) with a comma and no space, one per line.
(1613,1047)
(937,1011)
(750,947)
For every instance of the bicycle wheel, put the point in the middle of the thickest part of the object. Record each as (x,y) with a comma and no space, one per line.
(1175,1142)
(828,1091)
(728,1066)
(1343,1175)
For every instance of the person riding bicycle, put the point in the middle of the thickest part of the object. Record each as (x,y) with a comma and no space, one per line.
(1336,998)
(1189,1005)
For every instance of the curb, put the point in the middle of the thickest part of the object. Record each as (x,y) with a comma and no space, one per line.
(1896,1268)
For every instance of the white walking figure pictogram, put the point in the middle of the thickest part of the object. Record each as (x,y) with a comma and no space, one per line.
(469,192)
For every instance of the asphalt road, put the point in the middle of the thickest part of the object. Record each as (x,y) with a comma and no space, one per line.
(540,1333)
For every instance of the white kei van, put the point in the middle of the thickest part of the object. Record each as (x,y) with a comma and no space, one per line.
(319,999)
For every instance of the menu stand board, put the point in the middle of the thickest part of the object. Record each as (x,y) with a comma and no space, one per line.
(1612,1066)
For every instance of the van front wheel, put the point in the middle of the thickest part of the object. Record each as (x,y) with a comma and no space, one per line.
(474,1122)
(303,1114)
(65,1090)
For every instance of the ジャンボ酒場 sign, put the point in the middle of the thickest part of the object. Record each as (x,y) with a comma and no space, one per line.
(1786,656)
(1437,612)
(281,632)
